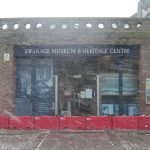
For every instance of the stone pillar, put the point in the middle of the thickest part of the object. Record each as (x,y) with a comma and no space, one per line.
(7,80)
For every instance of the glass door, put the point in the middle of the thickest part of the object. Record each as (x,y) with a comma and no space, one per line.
(77,86)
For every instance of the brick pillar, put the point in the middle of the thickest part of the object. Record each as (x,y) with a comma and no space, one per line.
(144,73)
(7,80)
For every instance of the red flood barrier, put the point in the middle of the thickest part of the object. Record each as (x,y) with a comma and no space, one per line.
(21,122)
(125,122)
(99,122)
(144,122)
(4,122)
(46,122)
(73,122)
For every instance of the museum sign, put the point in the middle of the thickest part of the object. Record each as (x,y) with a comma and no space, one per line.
(74,50)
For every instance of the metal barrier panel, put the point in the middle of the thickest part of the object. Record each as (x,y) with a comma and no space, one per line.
(22,122)
(144,122)
(73,122)
(46,122)
(76,122)
(4,122)
(99,122)
(125,122)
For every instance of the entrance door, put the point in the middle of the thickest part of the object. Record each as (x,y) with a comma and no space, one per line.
(34,87)
(77,86)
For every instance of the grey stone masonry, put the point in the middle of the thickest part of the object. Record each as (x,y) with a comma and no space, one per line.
(75,30)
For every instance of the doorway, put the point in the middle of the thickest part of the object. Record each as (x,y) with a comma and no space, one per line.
(77,86)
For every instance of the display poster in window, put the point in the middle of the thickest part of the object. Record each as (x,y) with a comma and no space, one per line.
(109,84)
(44,72)
(44,90)
(107,109)
(23,87)
(88,93)
(132,109)
(147,91)
(23,78)
(82,94)
(129,84)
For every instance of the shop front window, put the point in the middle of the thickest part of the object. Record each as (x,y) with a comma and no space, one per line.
(77,81)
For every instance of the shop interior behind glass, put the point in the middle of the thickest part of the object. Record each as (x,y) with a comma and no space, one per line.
(78,85)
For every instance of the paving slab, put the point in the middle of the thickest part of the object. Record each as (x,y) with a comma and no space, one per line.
(74,140)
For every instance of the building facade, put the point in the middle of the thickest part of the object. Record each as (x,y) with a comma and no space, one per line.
(143,9)
(75,66)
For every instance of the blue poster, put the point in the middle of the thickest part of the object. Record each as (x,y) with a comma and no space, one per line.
(109,84)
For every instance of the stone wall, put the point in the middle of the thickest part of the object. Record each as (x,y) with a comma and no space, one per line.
(7,80)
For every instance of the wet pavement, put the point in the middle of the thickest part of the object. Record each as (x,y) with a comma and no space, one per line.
(74,140)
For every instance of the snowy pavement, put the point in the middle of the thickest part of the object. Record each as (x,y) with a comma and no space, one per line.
(74,140)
